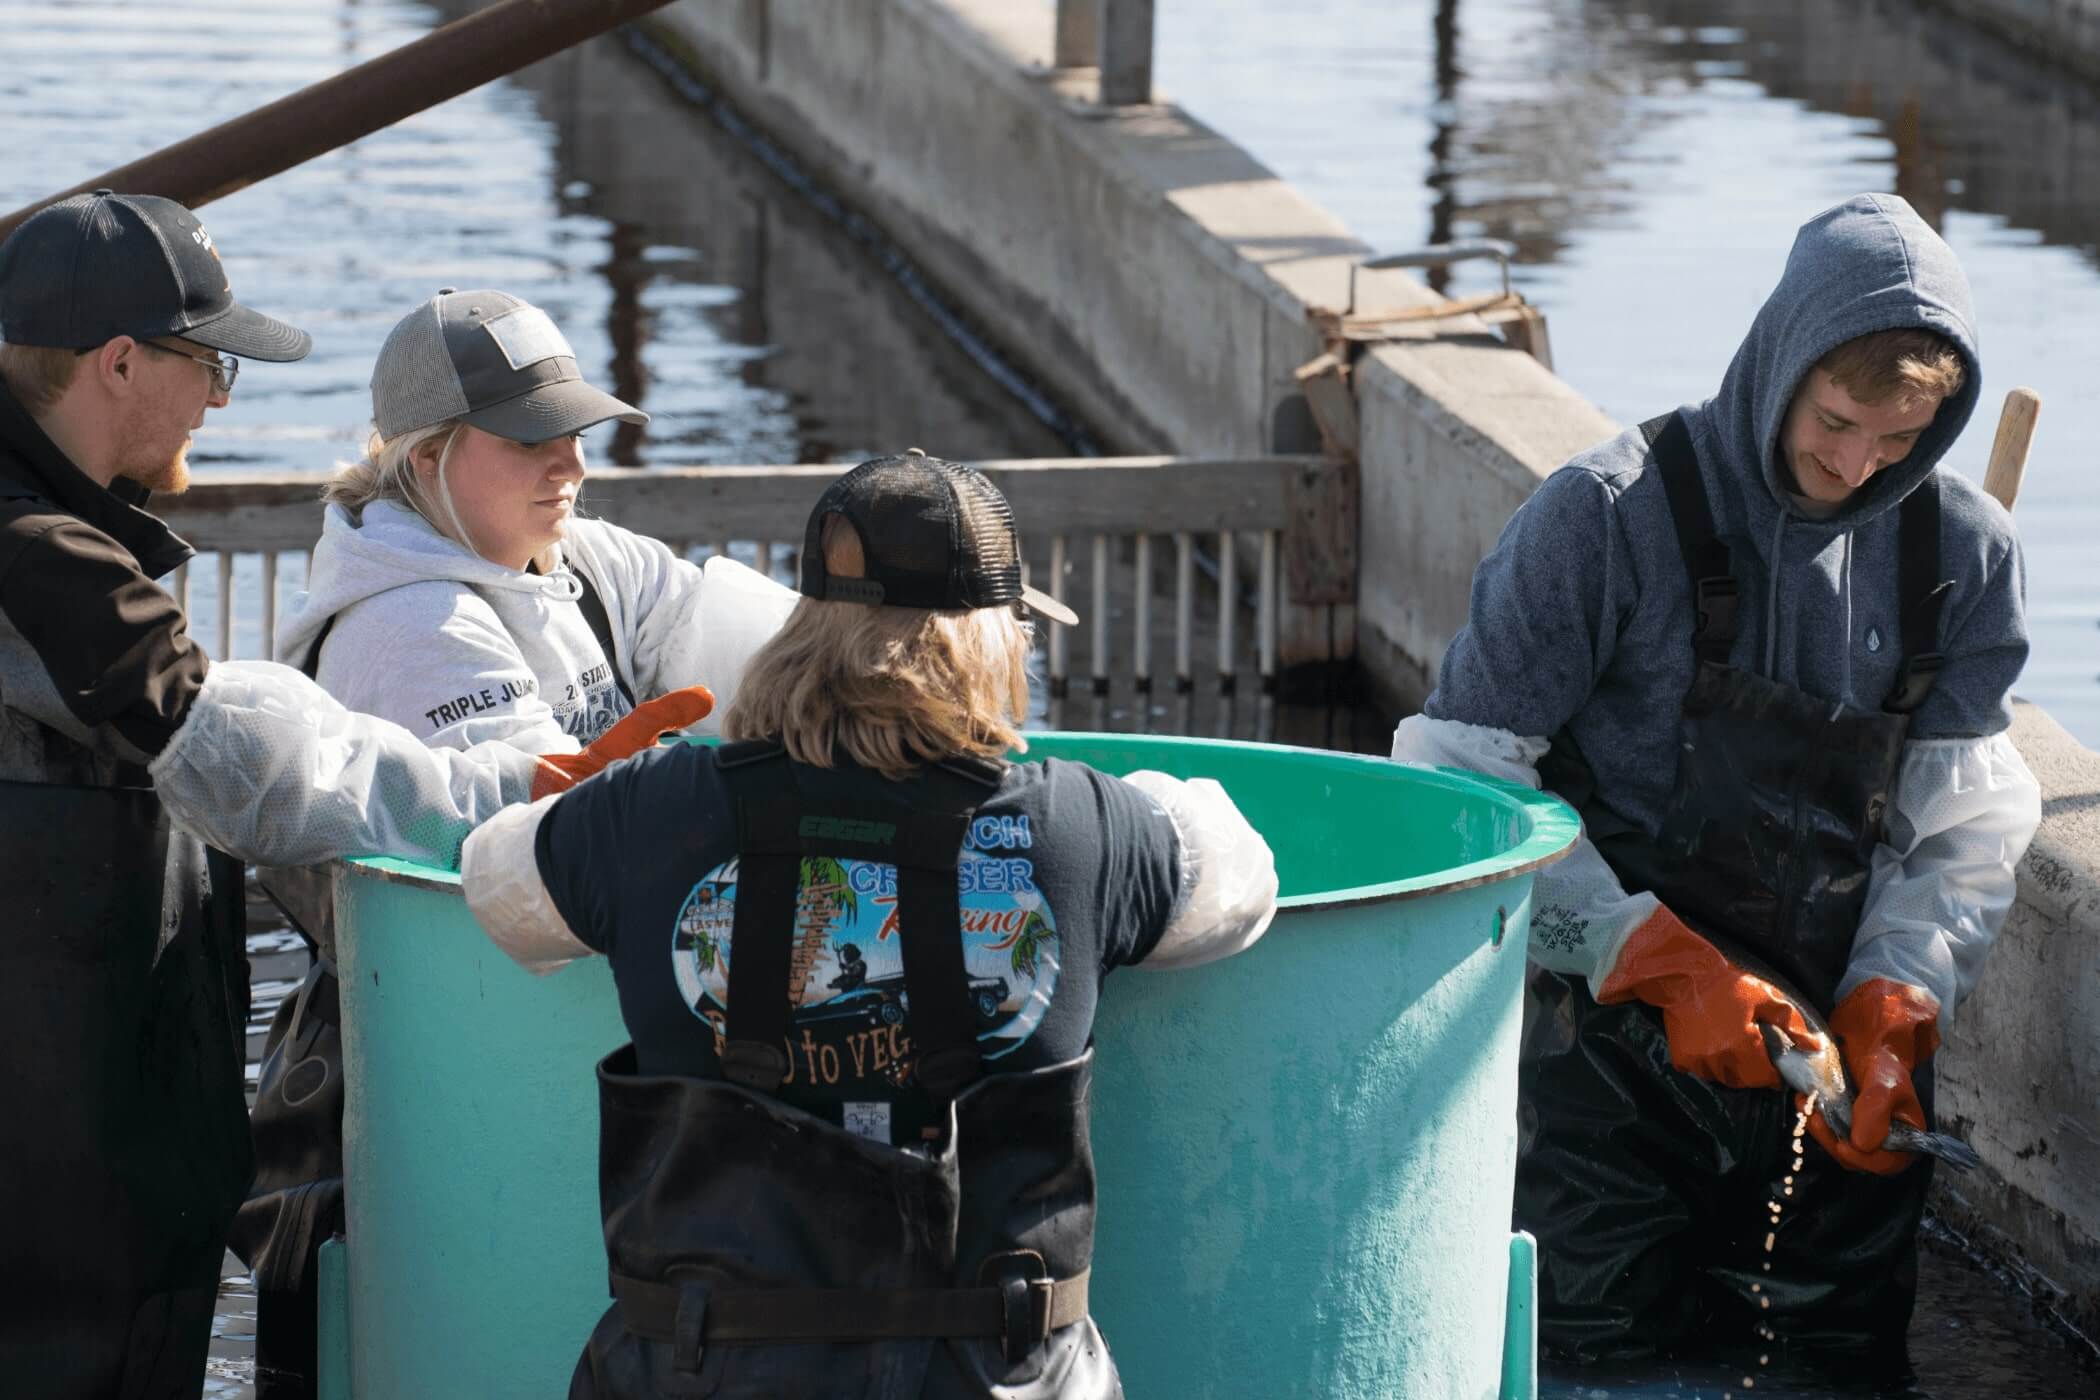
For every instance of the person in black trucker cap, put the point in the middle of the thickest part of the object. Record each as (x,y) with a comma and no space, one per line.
(123,754)
(858,952)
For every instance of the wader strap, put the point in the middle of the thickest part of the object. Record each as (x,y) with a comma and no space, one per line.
(1705,557)
(762,942)
(601,627)
(1021,1312)
(778,826)
(1923,598)
(936,980)
(312,664)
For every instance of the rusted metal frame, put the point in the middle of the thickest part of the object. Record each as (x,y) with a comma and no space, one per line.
(336,111)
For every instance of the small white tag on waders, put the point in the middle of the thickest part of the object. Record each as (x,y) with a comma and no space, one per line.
(868,1120)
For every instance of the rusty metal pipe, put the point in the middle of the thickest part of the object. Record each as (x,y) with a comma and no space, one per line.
(334,112)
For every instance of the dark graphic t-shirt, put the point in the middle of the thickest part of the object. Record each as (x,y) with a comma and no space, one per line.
(1065,873)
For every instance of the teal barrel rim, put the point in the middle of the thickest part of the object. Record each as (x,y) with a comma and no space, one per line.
(1551,825)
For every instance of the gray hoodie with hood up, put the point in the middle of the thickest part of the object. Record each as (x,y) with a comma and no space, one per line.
(1582,618)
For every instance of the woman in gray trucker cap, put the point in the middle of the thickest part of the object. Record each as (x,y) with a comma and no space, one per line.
(455,591)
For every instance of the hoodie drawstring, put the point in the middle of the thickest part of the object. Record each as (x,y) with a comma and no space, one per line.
(1845,611)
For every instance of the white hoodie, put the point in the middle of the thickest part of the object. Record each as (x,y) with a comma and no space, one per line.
(458,650)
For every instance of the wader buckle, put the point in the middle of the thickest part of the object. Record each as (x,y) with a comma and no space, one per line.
(755,1064)
(1027,1292)
(1716,604)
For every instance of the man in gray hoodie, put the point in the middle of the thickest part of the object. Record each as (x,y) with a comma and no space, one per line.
(1764,645)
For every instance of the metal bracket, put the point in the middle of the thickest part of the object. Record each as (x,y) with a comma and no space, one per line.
(1523,325)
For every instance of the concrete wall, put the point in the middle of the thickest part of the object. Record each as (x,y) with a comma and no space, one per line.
(2066,32)
(2020,1075)
(1157,279)
(1152,274)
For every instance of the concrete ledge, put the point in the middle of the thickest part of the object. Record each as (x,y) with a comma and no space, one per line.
(2020,1074)
(1153,275)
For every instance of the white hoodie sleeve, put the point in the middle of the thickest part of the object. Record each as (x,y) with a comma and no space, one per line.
(499,872)
(269,767)
(680,624)
(1581,916)
(1228,874)
(434,658)
(1943,880)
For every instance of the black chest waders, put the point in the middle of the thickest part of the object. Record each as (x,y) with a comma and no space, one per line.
(123,1005)
(1648,1188)
(758,1250)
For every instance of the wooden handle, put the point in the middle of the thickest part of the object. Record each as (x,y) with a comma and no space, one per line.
(2009,449)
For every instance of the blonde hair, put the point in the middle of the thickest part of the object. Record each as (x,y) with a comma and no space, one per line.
(885,688)
(388,473)
(38,375)
(1913,367)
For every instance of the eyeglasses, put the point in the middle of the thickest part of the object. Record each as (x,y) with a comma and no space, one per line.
(224,368)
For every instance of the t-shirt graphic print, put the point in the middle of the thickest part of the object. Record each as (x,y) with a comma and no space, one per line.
(850,1040)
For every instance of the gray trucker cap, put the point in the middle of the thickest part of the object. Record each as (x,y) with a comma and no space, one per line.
(491,359)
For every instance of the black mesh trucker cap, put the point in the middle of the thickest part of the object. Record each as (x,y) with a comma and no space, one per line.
(934,534)
(97,266)
(492,359)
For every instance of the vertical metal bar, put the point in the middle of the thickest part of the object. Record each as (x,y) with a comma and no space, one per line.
(180,587)
(225,605)
(1142,604)
(763,557)
(1265,619)
(1184,609)
(1078,33)
(1126,52)
(1059,642)
(269,603)
(1098,600)
(722,548)
(1228,610)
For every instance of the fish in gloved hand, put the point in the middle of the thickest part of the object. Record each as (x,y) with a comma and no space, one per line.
(1818,1071)
(1813,1067)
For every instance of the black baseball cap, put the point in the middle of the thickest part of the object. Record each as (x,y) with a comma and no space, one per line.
(97,266)
(934,534)
(492,359)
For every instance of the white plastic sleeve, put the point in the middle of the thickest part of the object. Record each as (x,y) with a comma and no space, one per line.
(269,767)
(1581,916)
(500,873)
(1943,881)
(711,636)
(1228,873)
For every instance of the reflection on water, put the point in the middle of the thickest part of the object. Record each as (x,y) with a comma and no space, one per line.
(1652,158)
(687,279)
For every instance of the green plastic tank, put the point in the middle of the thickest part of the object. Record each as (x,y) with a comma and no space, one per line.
(1305,1152)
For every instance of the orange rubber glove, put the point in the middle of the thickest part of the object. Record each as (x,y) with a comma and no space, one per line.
(1886,1029)
(639,729)
(1711,1008)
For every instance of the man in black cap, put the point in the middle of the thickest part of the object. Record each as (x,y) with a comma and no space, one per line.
(926,1167)
(123,981)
